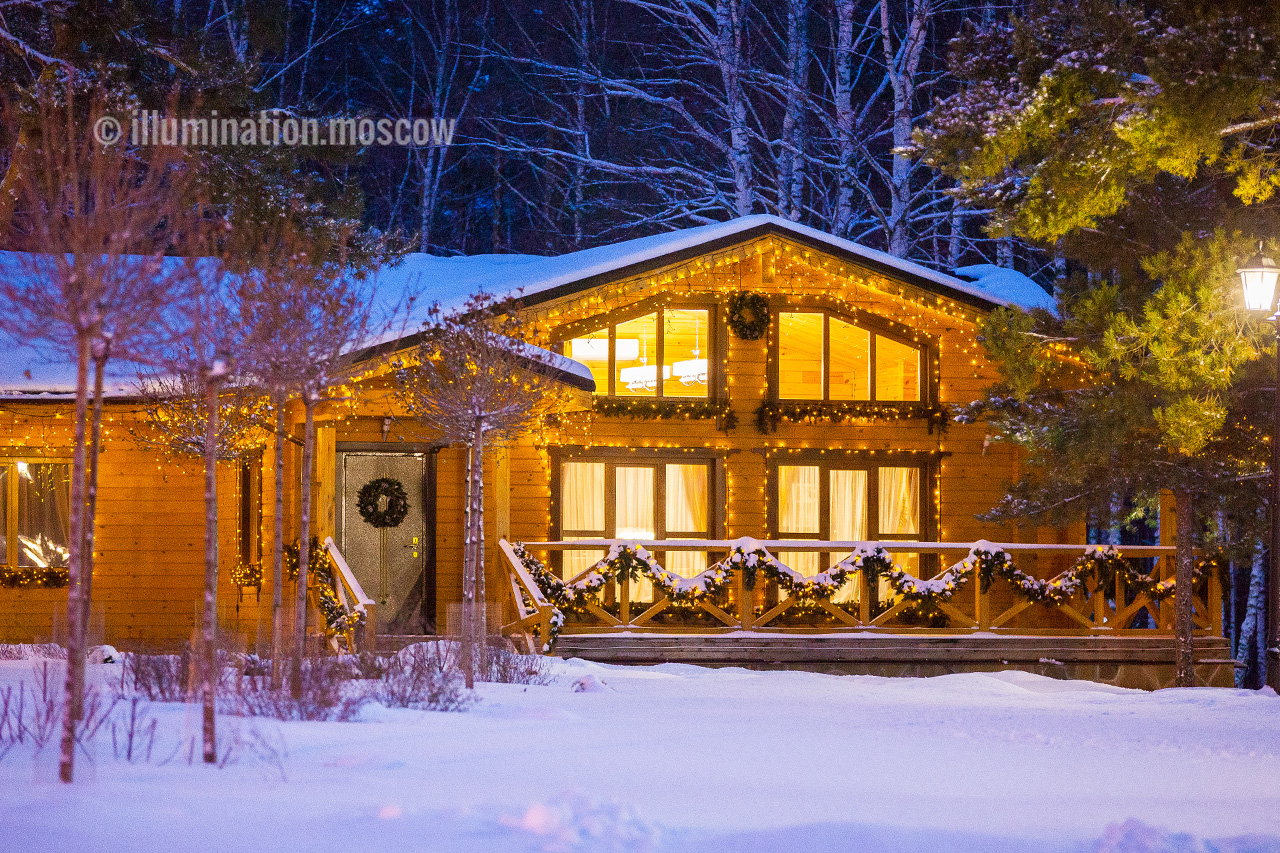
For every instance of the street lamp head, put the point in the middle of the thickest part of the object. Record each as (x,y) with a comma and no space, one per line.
(1258,277)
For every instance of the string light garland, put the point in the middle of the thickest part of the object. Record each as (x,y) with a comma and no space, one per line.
(34,577)
(630,561)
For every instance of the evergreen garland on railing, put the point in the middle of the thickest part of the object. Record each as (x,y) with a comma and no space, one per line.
(748,556)
(771,413)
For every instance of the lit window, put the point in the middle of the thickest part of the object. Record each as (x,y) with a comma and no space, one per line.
(832,502)
(897,370)
(647,501)
(800,356)
(663,354)
(821,357)
(41,525)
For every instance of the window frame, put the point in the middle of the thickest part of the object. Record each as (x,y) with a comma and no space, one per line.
(826,461)
(871,323)
(715,344)
(651,458)
(11,515)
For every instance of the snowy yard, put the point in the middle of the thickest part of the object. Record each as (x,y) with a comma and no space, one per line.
(687,759)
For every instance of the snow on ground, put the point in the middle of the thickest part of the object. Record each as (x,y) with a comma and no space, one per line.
(680,758)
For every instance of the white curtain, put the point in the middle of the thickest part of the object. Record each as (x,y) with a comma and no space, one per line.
(581,509)
(633,514)
(899,501)
(798,513)
(686,515)
(848,519)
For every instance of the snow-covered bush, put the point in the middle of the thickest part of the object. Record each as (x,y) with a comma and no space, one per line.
(160,678)
(325,695)
(424,675)
(32,651)
(504,665)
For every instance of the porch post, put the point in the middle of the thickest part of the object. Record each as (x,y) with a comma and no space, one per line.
(325,505)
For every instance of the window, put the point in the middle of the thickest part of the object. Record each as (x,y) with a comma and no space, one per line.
(635,499)
(821,357)
(35,504)
(843,502)
(661,354)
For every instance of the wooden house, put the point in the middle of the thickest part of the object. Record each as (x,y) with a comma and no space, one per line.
(754,387)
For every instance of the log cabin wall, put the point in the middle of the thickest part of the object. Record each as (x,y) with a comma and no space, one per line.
(149,539)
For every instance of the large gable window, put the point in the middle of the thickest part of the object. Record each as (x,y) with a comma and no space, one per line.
(821,357)
(665,353)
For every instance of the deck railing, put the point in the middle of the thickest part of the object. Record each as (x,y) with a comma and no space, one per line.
(1033,589)
(352,597)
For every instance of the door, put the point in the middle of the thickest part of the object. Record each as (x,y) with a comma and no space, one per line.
(390,563)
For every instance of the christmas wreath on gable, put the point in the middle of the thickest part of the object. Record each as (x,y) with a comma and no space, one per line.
(369,502)
(748,315)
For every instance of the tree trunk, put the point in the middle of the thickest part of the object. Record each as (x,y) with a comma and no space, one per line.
(902,65)
(791,172)
(477,562)
(90,513)
(277,556)
(75,639)
(844,115)
(1184,568)
(729,50)
(209,673)
(304,548)
(468,579)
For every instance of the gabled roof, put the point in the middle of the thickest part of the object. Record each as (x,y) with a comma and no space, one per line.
(450,281)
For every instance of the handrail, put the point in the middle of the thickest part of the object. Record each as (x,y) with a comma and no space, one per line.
(540,616)
(890,545)
(348,578)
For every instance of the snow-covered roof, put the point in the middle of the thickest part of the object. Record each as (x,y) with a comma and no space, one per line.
(35,371)
(27,372)
(450,281)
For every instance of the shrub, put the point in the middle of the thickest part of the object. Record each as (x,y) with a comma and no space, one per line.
(504,665)
(324,695)
(424,675)
(159,678)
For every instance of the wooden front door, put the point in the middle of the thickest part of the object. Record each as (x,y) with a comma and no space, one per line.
(392,564)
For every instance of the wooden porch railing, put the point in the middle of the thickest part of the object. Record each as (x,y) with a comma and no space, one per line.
(1101,605)
(352,597)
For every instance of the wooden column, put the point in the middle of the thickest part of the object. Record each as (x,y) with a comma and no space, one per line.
(325,502)
(502,493)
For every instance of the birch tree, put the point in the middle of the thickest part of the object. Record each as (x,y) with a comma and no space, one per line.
(308,312)
(473,382)
(103,218)
(203,357)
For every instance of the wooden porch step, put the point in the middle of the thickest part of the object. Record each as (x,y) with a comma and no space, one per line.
(391,643)
(795,651)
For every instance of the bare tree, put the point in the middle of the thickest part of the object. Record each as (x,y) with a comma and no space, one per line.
(202,354)
(284,282)
(473,381)
(104,220)
(307,312)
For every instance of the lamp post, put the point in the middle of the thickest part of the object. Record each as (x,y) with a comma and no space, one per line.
(1258,278)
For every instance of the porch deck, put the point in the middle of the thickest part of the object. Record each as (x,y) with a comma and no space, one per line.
(1125,661)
